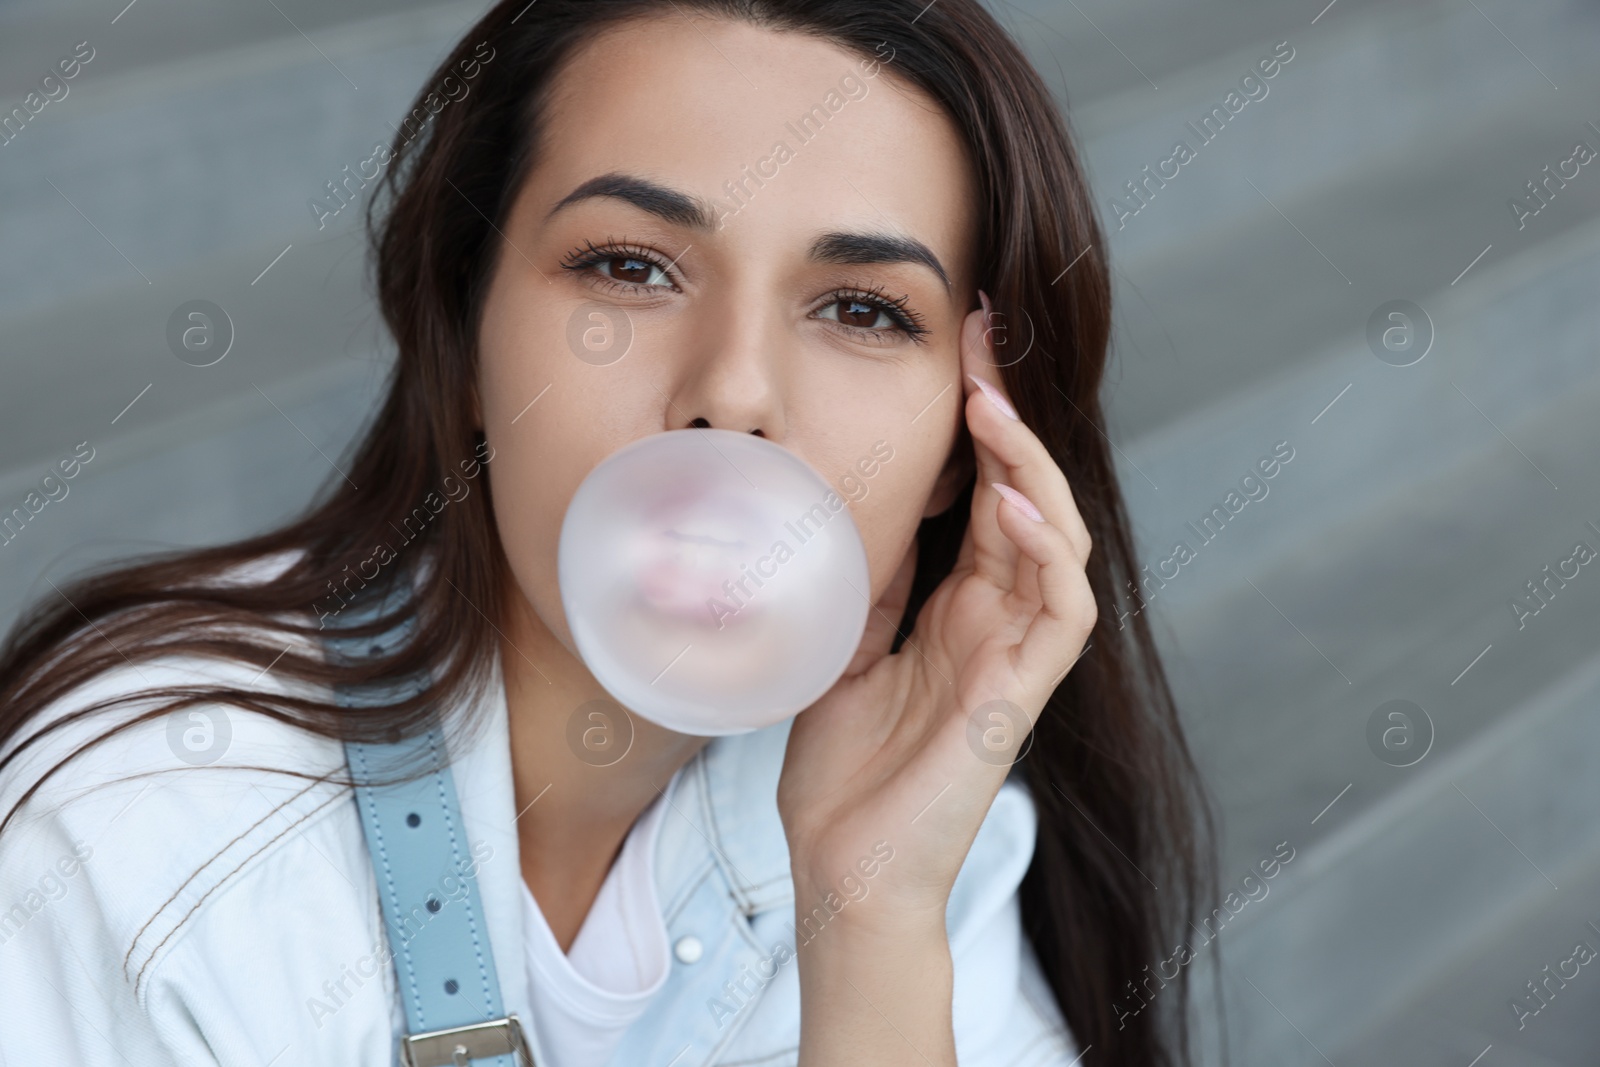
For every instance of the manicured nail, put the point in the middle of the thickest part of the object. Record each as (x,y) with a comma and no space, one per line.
(1018,501)
(995,396)
(988,309)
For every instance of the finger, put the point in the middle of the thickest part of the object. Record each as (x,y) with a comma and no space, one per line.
(985,549)
(1031,470)
(1010,445)
(1066,611)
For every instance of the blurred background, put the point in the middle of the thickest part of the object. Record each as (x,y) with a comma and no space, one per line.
(1386,268)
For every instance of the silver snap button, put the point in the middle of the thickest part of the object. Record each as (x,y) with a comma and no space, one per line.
(688,949)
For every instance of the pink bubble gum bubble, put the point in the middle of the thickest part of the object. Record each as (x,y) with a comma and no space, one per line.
(688,552)
(713,582)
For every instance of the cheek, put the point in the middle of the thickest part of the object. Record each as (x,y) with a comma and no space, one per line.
(899,424)
(891,509)
(519,348)
(529,498)
(539,414)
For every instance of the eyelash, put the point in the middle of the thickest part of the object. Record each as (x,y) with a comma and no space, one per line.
(898,309)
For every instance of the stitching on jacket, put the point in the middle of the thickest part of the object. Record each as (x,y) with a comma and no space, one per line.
(265,845)
(732,876)
(736,878)
(745,930)
(755,893)
(747,892)
(774,880)
(234,840)
(687,890)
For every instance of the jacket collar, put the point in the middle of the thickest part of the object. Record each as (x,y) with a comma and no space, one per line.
(728,812)
(724,815)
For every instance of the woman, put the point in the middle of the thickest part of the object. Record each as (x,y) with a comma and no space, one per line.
(782,218)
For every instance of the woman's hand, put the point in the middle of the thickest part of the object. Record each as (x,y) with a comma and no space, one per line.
(908,750)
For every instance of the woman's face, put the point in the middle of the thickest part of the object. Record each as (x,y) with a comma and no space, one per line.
(779,239)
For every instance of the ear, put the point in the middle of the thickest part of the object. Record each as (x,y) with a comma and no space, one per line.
(959,469)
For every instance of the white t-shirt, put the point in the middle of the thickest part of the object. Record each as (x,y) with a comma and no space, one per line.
(584,999)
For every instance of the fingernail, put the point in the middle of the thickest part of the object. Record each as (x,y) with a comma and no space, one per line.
(983,298)
(995,396)
(1018,501)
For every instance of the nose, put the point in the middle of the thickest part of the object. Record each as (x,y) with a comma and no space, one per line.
(703,423)
(733,383)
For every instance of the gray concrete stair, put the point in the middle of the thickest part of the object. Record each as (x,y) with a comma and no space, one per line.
(185,113)
(1383,560)
(1470,1015)
(1425,894)
(1381,563)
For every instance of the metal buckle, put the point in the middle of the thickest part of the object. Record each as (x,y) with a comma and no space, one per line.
(460,1045)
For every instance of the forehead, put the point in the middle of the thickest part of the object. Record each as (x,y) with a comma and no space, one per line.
(703,104)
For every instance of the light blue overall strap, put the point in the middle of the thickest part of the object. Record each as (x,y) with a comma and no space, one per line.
(426,873)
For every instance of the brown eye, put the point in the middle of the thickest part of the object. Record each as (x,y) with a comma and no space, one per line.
(627,268)
(857,313)
(630,269)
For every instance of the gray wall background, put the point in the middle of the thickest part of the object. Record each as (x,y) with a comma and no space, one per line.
(1380,566)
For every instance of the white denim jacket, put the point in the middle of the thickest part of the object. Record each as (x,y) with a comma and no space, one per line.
(213,914)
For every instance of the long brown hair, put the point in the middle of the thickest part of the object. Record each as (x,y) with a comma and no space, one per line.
(1123,854)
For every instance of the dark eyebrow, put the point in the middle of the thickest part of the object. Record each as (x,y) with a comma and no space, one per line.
(876,248)
(681,209)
